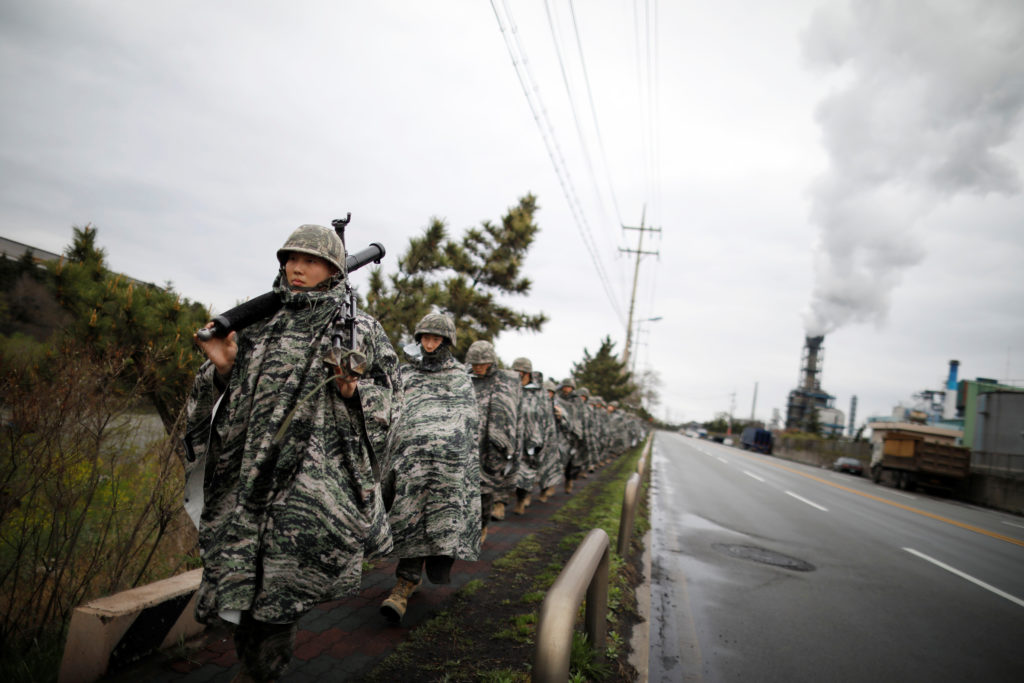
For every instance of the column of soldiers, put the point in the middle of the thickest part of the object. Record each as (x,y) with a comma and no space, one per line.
(303,460)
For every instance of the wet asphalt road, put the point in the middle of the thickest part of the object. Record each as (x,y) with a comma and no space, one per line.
(768,570)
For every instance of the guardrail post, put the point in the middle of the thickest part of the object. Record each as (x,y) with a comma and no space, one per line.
(629,502)
(628,514)
(641,464)
(584,575)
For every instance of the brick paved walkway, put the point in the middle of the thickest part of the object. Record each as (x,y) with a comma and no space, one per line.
(345,639)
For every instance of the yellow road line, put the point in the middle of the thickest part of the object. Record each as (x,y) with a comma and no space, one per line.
(947,520)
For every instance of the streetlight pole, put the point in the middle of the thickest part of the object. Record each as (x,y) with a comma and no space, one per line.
(656,318)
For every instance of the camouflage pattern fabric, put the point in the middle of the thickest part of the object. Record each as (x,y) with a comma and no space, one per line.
(591,435)
(315,240)
(291,502)
(603,448)
(433,447)
(532,409)
(497,398)
(572,446)
(620,433)
(265,650)
(550,470)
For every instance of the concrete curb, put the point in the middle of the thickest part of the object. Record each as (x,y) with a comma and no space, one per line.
(640,643)
(115,630)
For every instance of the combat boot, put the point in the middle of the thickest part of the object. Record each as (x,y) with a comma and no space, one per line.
(546,493)
(568,485)
(521,504)
(483,536)
(394,606)
(243,676)
(498,512)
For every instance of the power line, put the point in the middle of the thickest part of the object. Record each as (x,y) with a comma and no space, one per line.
(653,95)
(593,113)
(527,83)
(572,106)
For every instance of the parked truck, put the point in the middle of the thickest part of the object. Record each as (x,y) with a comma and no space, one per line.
(906,460)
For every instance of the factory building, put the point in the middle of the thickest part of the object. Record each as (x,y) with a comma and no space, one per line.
(809,398)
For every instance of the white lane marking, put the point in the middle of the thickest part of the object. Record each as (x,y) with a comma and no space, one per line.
(1019,526)
(752,475)
(962,575)
(721,459)
(804,500)
(903,495)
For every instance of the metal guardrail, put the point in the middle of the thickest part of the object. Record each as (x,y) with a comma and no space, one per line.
(630,500)
(628,514)
(584,575)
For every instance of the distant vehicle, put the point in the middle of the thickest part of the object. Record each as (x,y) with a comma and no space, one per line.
(849,465)
(755,439)
(727,441)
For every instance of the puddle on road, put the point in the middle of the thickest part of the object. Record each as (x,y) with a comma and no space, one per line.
(765,556)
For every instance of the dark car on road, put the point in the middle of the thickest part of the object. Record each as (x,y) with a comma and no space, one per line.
(849,465)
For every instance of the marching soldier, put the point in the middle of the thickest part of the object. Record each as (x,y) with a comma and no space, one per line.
(498,396)
(435,466)
(282,435)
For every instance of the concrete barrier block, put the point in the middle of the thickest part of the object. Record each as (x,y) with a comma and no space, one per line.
(110,632)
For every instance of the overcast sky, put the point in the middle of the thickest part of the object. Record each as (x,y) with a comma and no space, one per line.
(847,168)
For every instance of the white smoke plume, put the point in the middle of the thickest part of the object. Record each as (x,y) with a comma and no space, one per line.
(928,92)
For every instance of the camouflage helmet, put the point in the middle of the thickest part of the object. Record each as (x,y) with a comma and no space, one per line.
(522,364)
(481,352)
(549,385)
(436,323)
(584,392)
(315,240)
(568,382)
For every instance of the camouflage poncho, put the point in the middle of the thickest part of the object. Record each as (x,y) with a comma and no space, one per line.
(497,398)
(571,445)
(532,409)
(433,450)
(286,523)
(550,471)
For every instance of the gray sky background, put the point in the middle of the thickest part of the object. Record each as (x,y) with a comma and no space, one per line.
(852,168)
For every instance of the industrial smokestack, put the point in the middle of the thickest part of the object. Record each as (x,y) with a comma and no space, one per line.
(812,363)
(853,415)
(949,407)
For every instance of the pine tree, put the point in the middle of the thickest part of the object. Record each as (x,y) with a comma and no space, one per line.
(149,325)
(465,278)
(604,374)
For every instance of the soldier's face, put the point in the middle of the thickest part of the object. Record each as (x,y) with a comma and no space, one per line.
(480,368)
(306,270)
(524,378)
(430,342)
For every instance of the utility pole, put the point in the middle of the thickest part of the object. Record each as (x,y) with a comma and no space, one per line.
(753,408)
(732,409)
(639,251)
